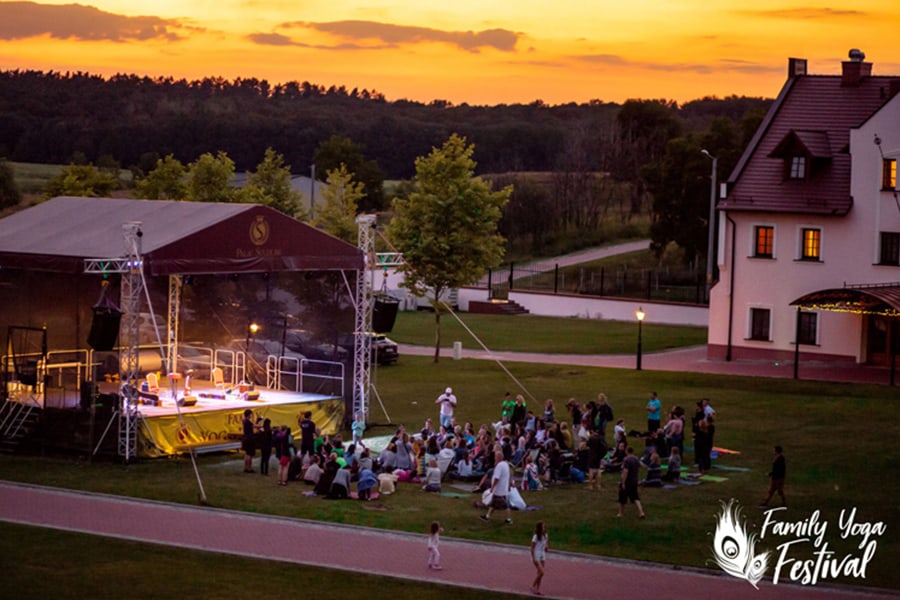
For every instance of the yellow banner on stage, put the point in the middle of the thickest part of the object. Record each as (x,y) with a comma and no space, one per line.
(165,435)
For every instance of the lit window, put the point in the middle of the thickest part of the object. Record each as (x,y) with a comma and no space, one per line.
(812,244)
(890,248)
(798,167)
(765,242)
(888,174)
(807,328)
(759,324)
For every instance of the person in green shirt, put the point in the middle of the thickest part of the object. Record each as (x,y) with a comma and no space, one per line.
(507,406)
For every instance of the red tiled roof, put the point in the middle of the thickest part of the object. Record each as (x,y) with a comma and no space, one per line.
(815,113)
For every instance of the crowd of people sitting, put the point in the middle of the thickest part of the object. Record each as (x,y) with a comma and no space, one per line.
(541,446)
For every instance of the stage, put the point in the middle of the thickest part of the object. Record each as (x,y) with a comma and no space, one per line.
(214,422)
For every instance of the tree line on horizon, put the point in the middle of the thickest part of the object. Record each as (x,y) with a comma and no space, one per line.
(642,156)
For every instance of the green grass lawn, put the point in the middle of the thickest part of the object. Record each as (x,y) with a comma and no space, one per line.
(838,459)
(530,333)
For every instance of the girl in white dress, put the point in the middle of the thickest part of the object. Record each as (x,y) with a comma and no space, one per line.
(538,554)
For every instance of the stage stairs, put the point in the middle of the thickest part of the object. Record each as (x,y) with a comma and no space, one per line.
(17,422)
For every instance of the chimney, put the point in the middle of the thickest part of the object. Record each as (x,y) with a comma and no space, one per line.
(796,67)
(854,70)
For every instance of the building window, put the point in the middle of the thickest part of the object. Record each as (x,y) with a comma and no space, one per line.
(889,174)
(811,244)
(765,242)
(890,248)
(807,328)
(759,324)
(798,167)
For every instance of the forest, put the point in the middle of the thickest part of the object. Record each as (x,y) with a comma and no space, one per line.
(640,156)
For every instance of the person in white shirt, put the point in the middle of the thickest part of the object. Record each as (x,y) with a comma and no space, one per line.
(448,403)
(501,481)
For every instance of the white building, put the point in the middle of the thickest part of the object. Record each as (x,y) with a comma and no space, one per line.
(809,228)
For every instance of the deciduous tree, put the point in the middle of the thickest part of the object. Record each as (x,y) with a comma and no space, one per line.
(447,227)
(209,178)
(338,215)
(270,184)
(81,180)
(165,182)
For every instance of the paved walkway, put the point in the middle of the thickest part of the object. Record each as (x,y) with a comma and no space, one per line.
(691,359)
(486,566)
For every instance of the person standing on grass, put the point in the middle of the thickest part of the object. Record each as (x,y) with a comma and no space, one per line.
(539,549)
(434,550)
(777,476)
(448,403)
(654,412)
(628,485)
(307,435)
(501,482)
(266,441)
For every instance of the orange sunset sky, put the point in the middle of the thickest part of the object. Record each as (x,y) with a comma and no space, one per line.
(474,51)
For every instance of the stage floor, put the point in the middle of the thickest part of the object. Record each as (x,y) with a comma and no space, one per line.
(215,422)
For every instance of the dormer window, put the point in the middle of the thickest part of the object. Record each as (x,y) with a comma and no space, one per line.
(798,168)
(889,174)
(804,153)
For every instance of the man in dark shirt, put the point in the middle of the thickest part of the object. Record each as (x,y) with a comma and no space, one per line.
(777,476)
(628,485)
(307,434)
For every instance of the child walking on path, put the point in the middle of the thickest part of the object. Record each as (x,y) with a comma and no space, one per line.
(434,541)
(538,554)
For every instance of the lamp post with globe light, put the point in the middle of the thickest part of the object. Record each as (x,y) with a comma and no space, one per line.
(639,314)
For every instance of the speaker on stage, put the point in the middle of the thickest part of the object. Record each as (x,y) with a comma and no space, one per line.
(384,313)
(104,328)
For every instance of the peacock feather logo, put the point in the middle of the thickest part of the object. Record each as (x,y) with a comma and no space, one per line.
(734,545)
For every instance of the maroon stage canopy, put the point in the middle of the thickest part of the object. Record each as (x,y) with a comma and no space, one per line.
(178,237)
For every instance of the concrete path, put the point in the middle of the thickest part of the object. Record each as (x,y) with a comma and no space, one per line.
(691,359)
(567,260)
(485,566)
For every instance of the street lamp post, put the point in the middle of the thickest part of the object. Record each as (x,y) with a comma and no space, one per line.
(712,220)
(252,328)
(640,314)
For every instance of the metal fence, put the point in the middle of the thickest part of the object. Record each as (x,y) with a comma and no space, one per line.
(663,284)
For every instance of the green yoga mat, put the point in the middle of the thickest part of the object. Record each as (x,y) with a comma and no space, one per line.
(455,495)
(713,478)
(727,468)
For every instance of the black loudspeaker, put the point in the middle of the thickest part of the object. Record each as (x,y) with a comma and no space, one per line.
(104,328)
(384,313)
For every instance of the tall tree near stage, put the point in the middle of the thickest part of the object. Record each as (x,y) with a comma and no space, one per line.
(270,184)
(447,228)
(338,215)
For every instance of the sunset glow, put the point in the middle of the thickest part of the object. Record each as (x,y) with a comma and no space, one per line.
(478,52)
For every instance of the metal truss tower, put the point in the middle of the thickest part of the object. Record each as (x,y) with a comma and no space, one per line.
(130,266)
(362,346)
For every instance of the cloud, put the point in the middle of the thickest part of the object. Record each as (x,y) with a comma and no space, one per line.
(394,35)
(724,64)
(20,20)
(806,12)
(271,39)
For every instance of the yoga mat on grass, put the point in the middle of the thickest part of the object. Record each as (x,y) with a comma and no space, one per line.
(729,468)
(713,478)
